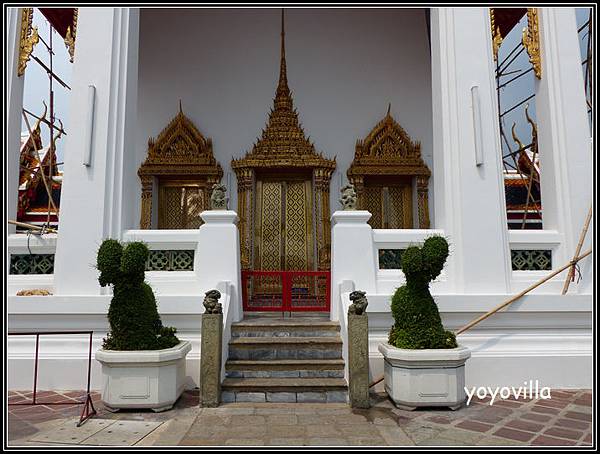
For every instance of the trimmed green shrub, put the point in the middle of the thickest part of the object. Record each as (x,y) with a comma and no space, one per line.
(134,320)
(417,322)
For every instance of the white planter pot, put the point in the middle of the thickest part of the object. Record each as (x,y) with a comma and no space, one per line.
(143,378)
(425,378)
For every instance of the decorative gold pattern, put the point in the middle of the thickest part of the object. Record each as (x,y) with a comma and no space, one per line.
(531,41)
(296,228)
(270,240)
(400,207)
(373,201)
(70,37)
(283,146)
(179,152)
(29,38)
(180,205)
(388,151)
(496,35)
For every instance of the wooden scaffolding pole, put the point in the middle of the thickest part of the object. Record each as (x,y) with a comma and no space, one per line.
(524,292)
(571,274)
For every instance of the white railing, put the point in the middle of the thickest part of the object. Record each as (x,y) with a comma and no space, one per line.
(22,243)
(165,239)
(551,240)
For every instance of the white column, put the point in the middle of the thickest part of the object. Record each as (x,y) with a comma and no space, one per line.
(92,201)
(217,256)
(469,202)
(14,105)
(352,254)
(564,136)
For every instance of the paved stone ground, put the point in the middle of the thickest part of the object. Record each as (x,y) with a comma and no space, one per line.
(565,420)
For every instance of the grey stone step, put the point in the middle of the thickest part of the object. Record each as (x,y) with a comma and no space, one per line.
(284,390)
(279,328)
(298,368)
(263,348)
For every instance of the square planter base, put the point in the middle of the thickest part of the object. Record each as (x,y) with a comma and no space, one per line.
(151,379)
(425,378)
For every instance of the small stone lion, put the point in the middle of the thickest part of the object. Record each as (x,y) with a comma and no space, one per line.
(218,199)
(359,302)
(349,197)
(211,302)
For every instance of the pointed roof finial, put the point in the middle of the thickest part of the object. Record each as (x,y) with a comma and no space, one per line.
(180,108)
(283,84)
(388,111)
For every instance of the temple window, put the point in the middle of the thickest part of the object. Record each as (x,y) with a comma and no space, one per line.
(177,176)
(390,178)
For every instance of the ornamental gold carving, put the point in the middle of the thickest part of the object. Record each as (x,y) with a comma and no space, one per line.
(179,152)
(28,39)
(70,37)
(496,35)
(388,151)
(531,41)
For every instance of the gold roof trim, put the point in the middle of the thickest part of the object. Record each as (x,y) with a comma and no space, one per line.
(180,149)
(283,142)
(388,150)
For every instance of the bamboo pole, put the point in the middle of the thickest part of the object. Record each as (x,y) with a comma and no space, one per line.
(31,226)
(571,274)
(527,290)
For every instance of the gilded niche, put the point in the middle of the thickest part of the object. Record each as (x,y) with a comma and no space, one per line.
(179,159)
(387,165)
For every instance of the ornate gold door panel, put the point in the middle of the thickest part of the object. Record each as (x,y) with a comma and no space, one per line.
(180,205)
(398,207)
(390,206)
(284,226)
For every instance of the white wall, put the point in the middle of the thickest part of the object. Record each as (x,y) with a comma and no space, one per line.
(344,66)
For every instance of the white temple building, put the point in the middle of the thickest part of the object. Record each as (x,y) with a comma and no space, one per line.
(403,103)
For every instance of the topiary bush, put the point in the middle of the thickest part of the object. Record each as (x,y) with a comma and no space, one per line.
(134,320)
(417,322)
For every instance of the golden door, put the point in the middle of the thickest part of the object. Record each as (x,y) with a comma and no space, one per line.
(390,206)
(283,227)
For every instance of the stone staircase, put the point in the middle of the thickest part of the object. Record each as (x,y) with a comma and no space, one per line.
(293,359)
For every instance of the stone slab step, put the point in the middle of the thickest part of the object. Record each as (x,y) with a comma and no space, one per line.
(263,348)
(285,329)
(296,368)
(284,384)
(338,396)
(284,390)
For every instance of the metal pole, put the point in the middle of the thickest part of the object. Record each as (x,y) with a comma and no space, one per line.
(35,368)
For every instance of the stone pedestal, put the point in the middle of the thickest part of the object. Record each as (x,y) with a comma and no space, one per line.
(210,360)
(358,360)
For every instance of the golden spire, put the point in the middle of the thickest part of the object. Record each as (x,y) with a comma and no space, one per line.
(283,139)
(283,99)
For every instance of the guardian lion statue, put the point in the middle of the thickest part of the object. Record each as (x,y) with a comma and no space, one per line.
(359,302)
(218,199)
(349,197)
(211,302)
